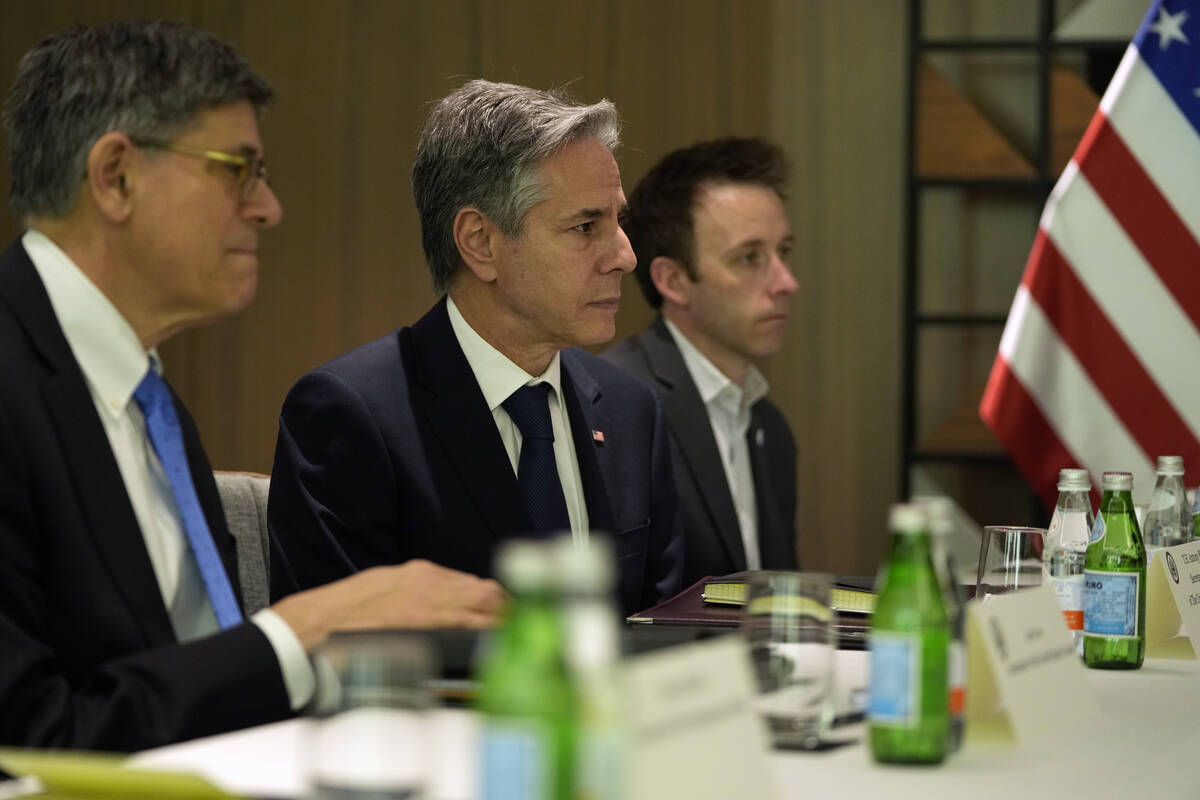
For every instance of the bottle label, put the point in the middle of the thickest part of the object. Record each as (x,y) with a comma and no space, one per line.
(1098,530)
(957,674)
(1110,603)
(516,760)
(1069,591)
(893,693)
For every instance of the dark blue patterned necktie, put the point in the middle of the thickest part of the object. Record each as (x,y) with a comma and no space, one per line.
(162,423)
(537,472)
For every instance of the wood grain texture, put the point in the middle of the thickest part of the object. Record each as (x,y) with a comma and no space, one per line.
(354,80)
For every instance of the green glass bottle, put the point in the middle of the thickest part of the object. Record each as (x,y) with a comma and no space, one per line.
(525,693)
(1114,581)
(907,711)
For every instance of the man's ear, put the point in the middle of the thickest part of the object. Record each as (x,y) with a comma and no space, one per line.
(479,241)
(110,173)
(672,281)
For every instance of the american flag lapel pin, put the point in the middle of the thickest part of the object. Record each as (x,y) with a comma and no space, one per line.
(598,437)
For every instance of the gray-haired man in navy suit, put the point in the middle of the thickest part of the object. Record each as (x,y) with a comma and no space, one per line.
(422,444)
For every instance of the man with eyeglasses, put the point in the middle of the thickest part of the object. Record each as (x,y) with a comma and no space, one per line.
(137,169)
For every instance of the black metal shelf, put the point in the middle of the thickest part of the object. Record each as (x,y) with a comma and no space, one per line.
(1041,49)
(962,319)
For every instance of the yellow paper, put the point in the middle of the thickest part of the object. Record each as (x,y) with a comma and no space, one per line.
(80,774)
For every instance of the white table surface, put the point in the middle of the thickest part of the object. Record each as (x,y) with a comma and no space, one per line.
(1145,747)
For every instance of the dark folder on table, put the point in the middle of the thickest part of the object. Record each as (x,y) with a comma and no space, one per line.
(689,609)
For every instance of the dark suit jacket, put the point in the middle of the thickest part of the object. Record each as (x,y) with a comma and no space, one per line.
(390,452)
(713,537)
(88,657)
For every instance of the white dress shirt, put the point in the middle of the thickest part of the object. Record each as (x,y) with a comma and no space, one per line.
(728,406)
(113,362)
(498,377)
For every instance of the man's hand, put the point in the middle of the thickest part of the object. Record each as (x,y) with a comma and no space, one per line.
(415,594)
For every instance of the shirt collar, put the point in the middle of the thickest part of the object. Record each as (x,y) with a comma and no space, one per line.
(497,376)
(104,343)
(710,381)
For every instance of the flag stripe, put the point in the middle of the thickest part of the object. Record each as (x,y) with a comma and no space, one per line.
(1159,137)
(1067,396)
(1129,293)
(1148,219)
(1021,427)
(1119,376)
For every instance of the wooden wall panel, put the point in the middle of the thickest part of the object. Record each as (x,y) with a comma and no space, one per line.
(354,80)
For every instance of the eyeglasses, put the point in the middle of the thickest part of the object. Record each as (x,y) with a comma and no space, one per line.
(247,170)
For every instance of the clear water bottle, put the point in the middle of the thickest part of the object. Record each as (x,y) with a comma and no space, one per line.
(1066,547)
(1168,520)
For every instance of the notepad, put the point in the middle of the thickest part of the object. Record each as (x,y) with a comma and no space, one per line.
(730,590)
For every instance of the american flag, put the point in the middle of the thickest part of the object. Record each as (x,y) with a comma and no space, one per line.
(1099,364)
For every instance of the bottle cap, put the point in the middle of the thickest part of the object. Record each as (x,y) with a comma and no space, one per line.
(940,513)
(1117,481)
(1170,465)
(525,565)
(585,567)
(1070,480)
(907,518)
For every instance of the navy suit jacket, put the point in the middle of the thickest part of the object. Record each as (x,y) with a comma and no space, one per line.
(390,453)
(714,539)
(88,656)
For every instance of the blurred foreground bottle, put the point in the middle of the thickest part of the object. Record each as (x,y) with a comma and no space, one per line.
(941,526)
(910,634)
(525,693)
(1168,519)
(1066,546)
(588,574)
(1114,587)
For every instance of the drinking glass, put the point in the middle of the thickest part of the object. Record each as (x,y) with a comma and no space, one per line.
(1010,558)
(367,742)
(789,624)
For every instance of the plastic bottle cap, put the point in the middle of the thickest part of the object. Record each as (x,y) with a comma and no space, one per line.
(940,513)
(525,565)
(588,567)
(1170,465)
(1117,481)
(1074,479)
(907,518)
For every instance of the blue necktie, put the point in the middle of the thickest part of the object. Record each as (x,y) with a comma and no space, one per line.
(537,472)
(154,398)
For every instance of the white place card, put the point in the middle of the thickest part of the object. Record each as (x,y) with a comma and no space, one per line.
(1025,681)
(694,730)
(1173,602)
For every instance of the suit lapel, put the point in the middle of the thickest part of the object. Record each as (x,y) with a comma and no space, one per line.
(87,453)
(585,410)
(462,422)
(692,431)
(771,538)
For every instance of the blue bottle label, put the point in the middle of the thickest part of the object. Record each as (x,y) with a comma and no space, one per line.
(1098,530)
(893,693)
(1110,603)
(516,760)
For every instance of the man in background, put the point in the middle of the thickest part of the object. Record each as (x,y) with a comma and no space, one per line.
(138,172)
(484,421)
(712,241)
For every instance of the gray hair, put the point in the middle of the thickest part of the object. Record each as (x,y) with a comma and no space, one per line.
(481,147)
(146,79)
